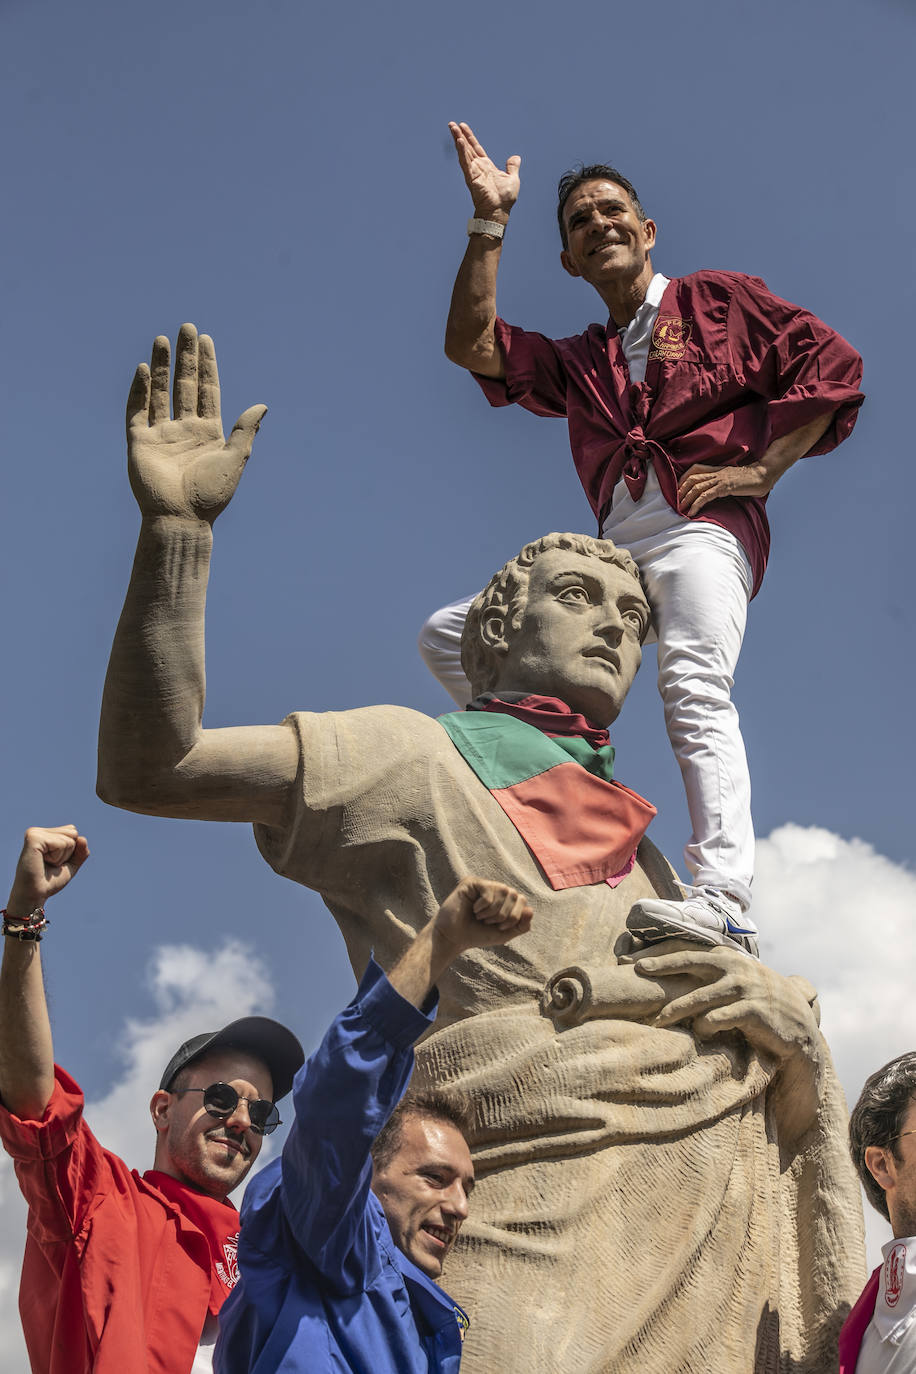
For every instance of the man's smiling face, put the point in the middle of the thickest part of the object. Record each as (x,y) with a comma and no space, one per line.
(606,239)
(580,634)
(211,1154)
(424,1190)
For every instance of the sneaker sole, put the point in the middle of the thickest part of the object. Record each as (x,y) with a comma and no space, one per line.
(653,929)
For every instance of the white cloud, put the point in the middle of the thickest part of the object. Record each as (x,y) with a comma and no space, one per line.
(193,990)
(832,909)
(843,915)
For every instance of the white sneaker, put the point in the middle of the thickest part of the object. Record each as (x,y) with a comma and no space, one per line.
(706,915)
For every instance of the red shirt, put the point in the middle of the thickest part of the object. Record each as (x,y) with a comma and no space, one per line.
(731,368)
(116,1278)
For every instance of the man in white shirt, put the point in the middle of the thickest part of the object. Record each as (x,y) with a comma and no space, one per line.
(879,1336)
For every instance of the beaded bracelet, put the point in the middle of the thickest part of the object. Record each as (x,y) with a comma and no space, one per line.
(25,927)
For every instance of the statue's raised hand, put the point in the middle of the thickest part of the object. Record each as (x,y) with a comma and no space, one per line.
(492,191)
(184,466)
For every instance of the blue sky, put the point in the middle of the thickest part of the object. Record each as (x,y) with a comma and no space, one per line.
(281,174)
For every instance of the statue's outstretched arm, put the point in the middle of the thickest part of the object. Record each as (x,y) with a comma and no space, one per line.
(154,755)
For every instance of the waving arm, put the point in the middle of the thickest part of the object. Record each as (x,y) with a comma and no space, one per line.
(470,340)
(154,755)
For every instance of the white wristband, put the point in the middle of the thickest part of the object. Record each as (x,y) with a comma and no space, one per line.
(486,226)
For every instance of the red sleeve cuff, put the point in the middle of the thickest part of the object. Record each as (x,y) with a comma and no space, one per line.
(54,1133)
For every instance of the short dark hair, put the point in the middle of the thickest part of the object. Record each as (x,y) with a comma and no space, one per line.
(452,1108)
(877,1119)
(595,171)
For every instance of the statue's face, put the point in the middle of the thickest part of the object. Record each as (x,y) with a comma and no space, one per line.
(579,639)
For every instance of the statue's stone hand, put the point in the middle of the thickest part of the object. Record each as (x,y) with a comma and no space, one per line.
(183,466)
(775,1014)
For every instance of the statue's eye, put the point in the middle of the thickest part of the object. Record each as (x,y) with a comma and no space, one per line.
(577,595)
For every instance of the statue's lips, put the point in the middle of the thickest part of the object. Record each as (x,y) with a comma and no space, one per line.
(607,656)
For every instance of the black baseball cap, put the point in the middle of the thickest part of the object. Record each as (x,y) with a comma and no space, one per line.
(257,1035)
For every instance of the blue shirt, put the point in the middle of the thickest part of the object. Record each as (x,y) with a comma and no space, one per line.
(323,1288)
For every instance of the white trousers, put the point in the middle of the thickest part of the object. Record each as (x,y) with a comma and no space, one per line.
(698,581)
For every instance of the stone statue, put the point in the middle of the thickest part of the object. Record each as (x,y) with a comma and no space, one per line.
(659,1138)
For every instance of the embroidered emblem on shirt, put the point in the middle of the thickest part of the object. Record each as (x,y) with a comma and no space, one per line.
(894,1266)
(670,338)
(229,1272)
(463,1321)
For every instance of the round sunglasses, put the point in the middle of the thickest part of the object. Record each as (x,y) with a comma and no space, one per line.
(221,1100)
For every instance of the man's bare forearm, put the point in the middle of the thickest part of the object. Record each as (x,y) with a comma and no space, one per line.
(470,338)
(153,701)
(26,1048)
(783,452)
(415,974)
(705,482)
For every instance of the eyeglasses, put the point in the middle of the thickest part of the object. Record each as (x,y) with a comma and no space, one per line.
(221,1100)
(901,1135)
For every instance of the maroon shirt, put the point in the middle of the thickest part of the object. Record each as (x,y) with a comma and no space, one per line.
(731,368)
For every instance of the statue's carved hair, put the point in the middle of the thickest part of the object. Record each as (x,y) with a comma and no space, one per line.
(506,595)
(452,1108)
(877,1119)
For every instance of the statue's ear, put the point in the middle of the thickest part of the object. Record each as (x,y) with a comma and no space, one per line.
(493,632)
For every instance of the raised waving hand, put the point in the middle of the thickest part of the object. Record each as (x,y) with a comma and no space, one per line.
(179,462)
(494,192)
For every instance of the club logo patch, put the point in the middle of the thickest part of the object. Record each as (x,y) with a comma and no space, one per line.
(229,1272)
(463,1321)
(670,338)
(894,1267)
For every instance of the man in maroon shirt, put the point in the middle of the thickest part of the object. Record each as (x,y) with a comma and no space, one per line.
(683,413)
(124,1272)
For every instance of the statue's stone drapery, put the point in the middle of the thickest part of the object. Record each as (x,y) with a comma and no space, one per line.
(635,1209)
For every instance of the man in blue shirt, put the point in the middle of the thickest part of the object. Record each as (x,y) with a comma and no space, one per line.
(343,1237)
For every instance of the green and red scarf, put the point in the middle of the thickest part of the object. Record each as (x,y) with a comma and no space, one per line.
(552,772)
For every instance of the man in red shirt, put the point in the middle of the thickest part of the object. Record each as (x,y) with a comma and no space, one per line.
(124,1272)
(683,413)
(879,1335)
